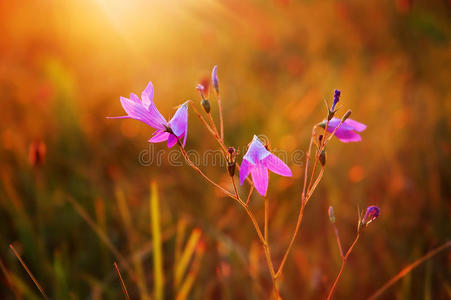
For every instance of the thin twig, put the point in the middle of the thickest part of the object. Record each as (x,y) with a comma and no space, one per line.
(266,219)
(318,179)
(234,186)
(307,160)
(301,209)
(213,125)
(215,135)
(192,165)
(227,193)
(221,121)
(124,288)
(209,128)
(337,237)
(44,295)
(331,291)
(246,208)
(406,270)
(249,195)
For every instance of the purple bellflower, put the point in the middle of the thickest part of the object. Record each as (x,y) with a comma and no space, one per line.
(336,99)
(145,111)
(257,161)
(372,212)
(347,132)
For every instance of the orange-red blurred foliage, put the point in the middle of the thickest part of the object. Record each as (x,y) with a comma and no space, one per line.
(64,64)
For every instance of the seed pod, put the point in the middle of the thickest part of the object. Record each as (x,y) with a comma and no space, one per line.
(231,166)
(206,105)
(322,157)
(231,161)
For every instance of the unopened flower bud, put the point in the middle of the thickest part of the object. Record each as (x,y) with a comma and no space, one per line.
(231,161)
(372,212)
(231,166)
(200,87)
(331,215)
(346,115)
(214,79)
(322,158)
(337,94)
(206,105)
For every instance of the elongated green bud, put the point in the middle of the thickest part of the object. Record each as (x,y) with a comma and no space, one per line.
(346,115)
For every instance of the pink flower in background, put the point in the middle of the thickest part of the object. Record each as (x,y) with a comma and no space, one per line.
(257,161)
(145,111)
(347,132)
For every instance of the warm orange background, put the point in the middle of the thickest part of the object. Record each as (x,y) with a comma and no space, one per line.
(64,64)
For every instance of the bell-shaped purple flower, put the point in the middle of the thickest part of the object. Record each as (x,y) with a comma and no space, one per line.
(337,94)
(347,132)
(144,110)
(257,161)
(372,212)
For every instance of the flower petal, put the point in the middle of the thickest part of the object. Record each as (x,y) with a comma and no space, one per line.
(135,98)
(276,165)
(333,123)
(256,151)
(359,127)
(179,122)
(159,136)
(260,178)
(147,95)
(149,105)
(172,140)
(245,169)
(347,136)
(184,135)
(138,112)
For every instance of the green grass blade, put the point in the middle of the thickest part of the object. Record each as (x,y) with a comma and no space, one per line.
(156,237)
(187,254)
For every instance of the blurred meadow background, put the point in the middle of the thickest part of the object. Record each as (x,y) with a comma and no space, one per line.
(74,197)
